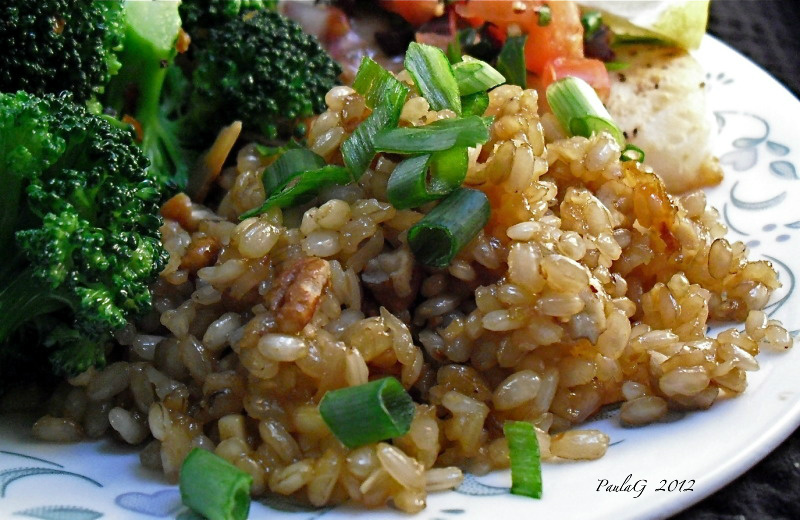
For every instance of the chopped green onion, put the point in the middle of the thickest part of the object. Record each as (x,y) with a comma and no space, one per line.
(545,15)
(475,76)
(387,96)
(287,166)
(579,110)
(591,21)
(632,153)
(442,233)
(367,413)
(426,178)
(213,487)
(616,65)
(454,50)
(526,466)
(475,104)
(375,83)
(433,76)
(302,187)
(437,136)
(511,61)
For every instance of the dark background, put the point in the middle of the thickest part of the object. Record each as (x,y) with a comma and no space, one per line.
(768,32)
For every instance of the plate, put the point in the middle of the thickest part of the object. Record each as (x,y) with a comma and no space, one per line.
(649,472)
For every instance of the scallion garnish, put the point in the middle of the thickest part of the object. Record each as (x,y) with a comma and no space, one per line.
(213,487)
(545,15)
(632,153)
(291,164)
(579,110)
(616,65)
(511,61)
(367,413)
(303,187)
(437,136)
(425,178)
(433,75)
(442,233)
(474,76)
(475,104)
(386,96)
(591,21)
(526,465)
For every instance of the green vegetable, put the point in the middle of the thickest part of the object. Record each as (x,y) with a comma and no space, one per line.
(386,96)
(632,153)
(591,21)
(433,75)
(213,487)
(475,104)
(149,91)
(199,15)
(425,178)
(579,110)
(544,14)
(295,178)
(475,76)
(79,227)
(261,69)
(526,466)
(437,136)
(57,45)
(511,61)
(449,227)
(367,413)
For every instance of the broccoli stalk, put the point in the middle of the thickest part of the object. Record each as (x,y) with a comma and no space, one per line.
(151,31)
(79,228)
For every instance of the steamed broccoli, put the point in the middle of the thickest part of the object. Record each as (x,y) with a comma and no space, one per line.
(56,45)
(149,49)
(199,15)
(79,230)
(261,69)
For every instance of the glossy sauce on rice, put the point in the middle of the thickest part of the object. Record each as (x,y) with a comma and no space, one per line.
(589,286)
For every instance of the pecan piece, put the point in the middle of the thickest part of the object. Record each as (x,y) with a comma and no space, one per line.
(297,293)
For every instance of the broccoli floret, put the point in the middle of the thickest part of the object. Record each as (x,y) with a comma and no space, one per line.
(199,15)
(79,228)
(261,69)
(57,45)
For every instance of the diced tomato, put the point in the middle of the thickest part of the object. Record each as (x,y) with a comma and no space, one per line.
(590,70)
(561,37)
(417,12)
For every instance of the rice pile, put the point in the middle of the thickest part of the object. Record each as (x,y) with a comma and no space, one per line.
(589,286)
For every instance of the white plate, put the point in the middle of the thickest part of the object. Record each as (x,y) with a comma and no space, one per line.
(694,455)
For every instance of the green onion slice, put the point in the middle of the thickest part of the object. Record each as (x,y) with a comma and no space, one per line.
(287,166)
(526,465)
(426,178)
(632,153)
(368,413)
(511,61)
(476,76)
(612,66)
(591,21)
(437,136)
(213,487)
(475,104)
(302,187)
(375,83)
(577,107)
(386,96)
(545,15)
(433,75)
(442,233)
